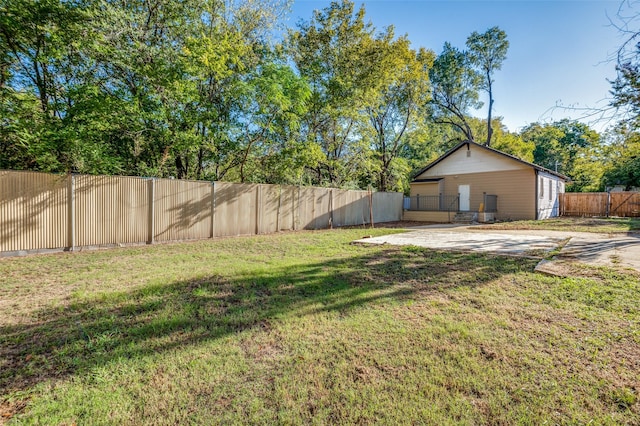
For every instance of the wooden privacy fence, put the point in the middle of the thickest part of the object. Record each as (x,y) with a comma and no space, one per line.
(603,204)
(45,211)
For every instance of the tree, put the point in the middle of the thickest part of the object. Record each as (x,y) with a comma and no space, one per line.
(400,93)
(486,52)
(274,106)
(568,147)
(626,86)
(454,89)
(503,140)
(626,89)
(39,51)
(144,87)
(330,52)
(622,164)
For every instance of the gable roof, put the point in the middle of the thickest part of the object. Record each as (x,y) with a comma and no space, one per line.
(504,154)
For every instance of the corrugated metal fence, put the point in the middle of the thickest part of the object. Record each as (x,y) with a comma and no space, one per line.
(603,204)
(45,211)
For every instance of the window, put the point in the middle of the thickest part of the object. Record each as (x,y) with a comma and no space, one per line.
(541,187)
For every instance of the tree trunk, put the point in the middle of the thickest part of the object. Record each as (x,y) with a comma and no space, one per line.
(489,128)
(180,169)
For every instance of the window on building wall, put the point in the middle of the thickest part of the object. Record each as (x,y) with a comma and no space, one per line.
(550,189)
(541,186)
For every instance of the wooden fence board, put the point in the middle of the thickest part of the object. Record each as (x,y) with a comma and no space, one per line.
(600,204)
(625,204)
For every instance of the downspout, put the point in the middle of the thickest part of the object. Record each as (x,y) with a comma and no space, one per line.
(535,195)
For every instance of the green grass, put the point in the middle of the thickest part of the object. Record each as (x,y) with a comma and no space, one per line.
(306,327)
(571,224)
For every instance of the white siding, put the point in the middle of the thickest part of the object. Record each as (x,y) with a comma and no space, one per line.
(548,203)
(474,160)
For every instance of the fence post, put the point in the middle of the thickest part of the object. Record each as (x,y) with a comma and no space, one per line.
(294,217)
(258,200)
(152,212)
(293,209)
(608,203)
(331,209)
(560,204)
(371,207)
(213,208)
(71,213)
(278,213)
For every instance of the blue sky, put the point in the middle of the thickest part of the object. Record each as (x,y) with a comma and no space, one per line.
(560,51)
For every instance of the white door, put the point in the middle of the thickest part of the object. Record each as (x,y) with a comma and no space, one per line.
(464,192)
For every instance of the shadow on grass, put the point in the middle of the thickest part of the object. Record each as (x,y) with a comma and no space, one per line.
(111,326)
(587,251)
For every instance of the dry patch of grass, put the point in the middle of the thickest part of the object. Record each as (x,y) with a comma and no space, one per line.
(308,328)
(571,224)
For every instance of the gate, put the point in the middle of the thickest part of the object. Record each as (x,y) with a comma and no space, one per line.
(602,204)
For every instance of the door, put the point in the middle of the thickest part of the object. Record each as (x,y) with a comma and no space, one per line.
(464,191)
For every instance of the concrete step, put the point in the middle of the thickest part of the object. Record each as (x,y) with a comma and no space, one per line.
(465,217)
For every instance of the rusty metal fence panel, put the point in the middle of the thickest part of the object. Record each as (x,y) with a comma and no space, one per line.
(45,211)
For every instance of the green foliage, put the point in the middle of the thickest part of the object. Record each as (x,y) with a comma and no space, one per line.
(455,87)
(398,106)
(369,94)
(626,86)
(503,140)
(622,166)
(196,89)
(160,87)
(568,147)
(39,52)
(486,53)
(330,53)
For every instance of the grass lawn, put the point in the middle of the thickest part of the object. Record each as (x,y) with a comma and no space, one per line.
(573,224)
(302,328)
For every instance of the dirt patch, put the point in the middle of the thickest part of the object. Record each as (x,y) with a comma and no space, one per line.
(574,268)
(401,224)
(8,409)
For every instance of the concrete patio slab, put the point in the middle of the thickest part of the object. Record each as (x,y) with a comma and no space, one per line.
(620,250)
(466,241)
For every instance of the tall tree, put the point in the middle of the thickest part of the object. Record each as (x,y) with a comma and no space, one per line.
(400,92)
(146,87)
(329,52)
(486,52)
(454,90)
(626,88)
